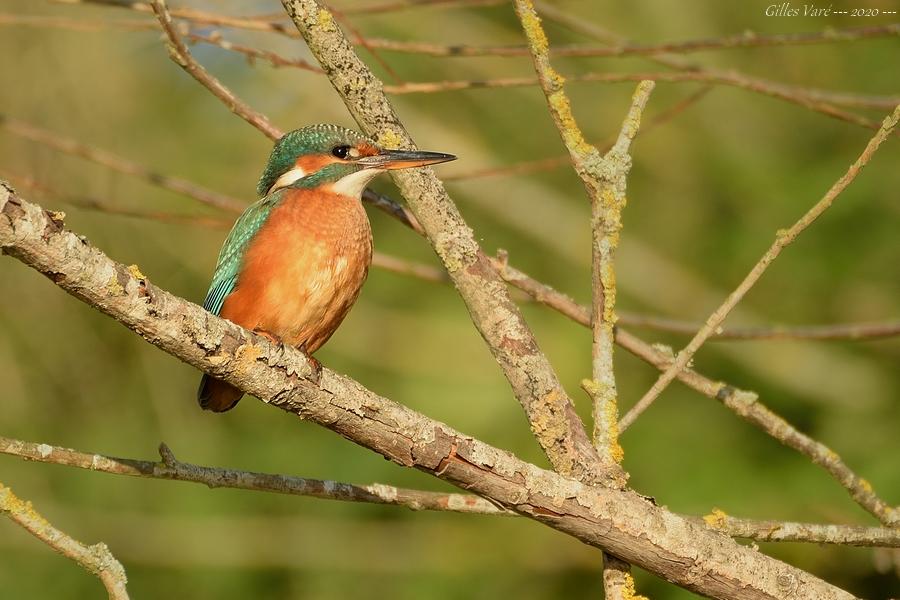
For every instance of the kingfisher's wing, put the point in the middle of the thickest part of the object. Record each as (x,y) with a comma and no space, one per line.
(231,256)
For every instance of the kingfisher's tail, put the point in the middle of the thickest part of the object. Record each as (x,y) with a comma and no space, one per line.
(216,395)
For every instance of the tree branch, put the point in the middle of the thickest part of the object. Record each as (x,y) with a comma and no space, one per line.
(782,239)
(96,559)
(621,522)
(780,531)
(745,404)
(550,412)
(746,39)
(170,469)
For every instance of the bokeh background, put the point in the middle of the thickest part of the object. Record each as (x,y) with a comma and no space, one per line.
(707,192)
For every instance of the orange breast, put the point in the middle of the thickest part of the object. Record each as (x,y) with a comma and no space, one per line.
(304,269)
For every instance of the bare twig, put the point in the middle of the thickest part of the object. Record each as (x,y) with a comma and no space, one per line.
(805,97)
(621,522)
(545,164)
(838,331)
(745,404)
(782,239)
(780,531)
(96,559)
(396,5)
(747,39)
(173,469)
(85,25)
(119,164)
(273,58)
(551,413)
(179,53)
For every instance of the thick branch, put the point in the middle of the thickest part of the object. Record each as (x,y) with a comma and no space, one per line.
(621,522)
(96,559)
(550,412)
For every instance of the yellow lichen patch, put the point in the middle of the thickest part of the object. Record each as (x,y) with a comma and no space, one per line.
(390,140)
(865,485)
(14,505)
(57,215)
(611,418)
(567,125)
(136,272)
(716,519)
(326,21)
(113,287)
(628,591)
(531,23)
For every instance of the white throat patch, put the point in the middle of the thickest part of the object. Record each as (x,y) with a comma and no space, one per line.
(287,179)
(353,185)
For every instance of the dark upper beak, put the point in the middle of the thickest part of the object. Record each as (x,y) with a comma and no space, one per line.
(403,159)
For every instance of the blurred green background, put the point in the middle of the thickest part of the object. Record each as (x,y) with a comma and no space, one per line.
(707,192)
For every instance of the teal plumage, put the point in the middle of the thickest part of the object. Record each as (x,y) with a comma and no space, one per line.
(228,266)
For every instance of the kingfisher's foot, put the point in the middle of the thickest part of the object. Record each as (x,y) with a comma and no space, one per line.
(269,336)
(314,363)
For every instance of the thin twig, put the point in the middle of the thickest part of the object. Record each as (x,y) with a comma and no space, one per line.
(840,331)
(179,53)
(545,164)
(173,470)
(805,97)
(96,559)
(745,404)
(823,101)
(396,5)
(273,58)
(84,25)
(212,477)
(747,39)
(782,239)
(119,164)
(781,531)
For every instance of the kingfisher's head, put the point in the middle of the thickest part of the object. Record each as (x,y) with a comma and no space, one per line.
(335,158)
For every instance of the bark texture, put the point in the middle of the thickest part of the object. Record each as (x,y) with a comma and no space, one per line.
(685,552)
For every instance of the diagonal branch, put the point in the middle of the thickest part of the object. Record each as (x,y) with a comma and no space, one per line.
(550,412)
(743,403)
(621,522)
(783,238)
(96,559)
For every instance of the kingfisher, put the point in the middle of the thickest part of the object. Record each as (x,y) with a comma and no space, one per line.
(295,260)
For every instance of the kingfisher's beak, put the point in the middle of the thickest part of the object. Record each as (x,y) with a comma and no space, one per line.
(403,159)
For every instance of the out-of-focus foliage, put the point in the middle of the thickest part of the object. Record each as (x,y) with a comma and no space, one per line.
(706,195)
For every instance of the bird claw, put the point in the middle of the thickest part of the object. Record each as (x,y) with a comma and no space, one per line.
(316,375)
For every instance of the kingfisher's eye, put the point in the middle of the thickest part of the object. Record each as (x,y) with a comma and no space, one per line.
(341,151)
